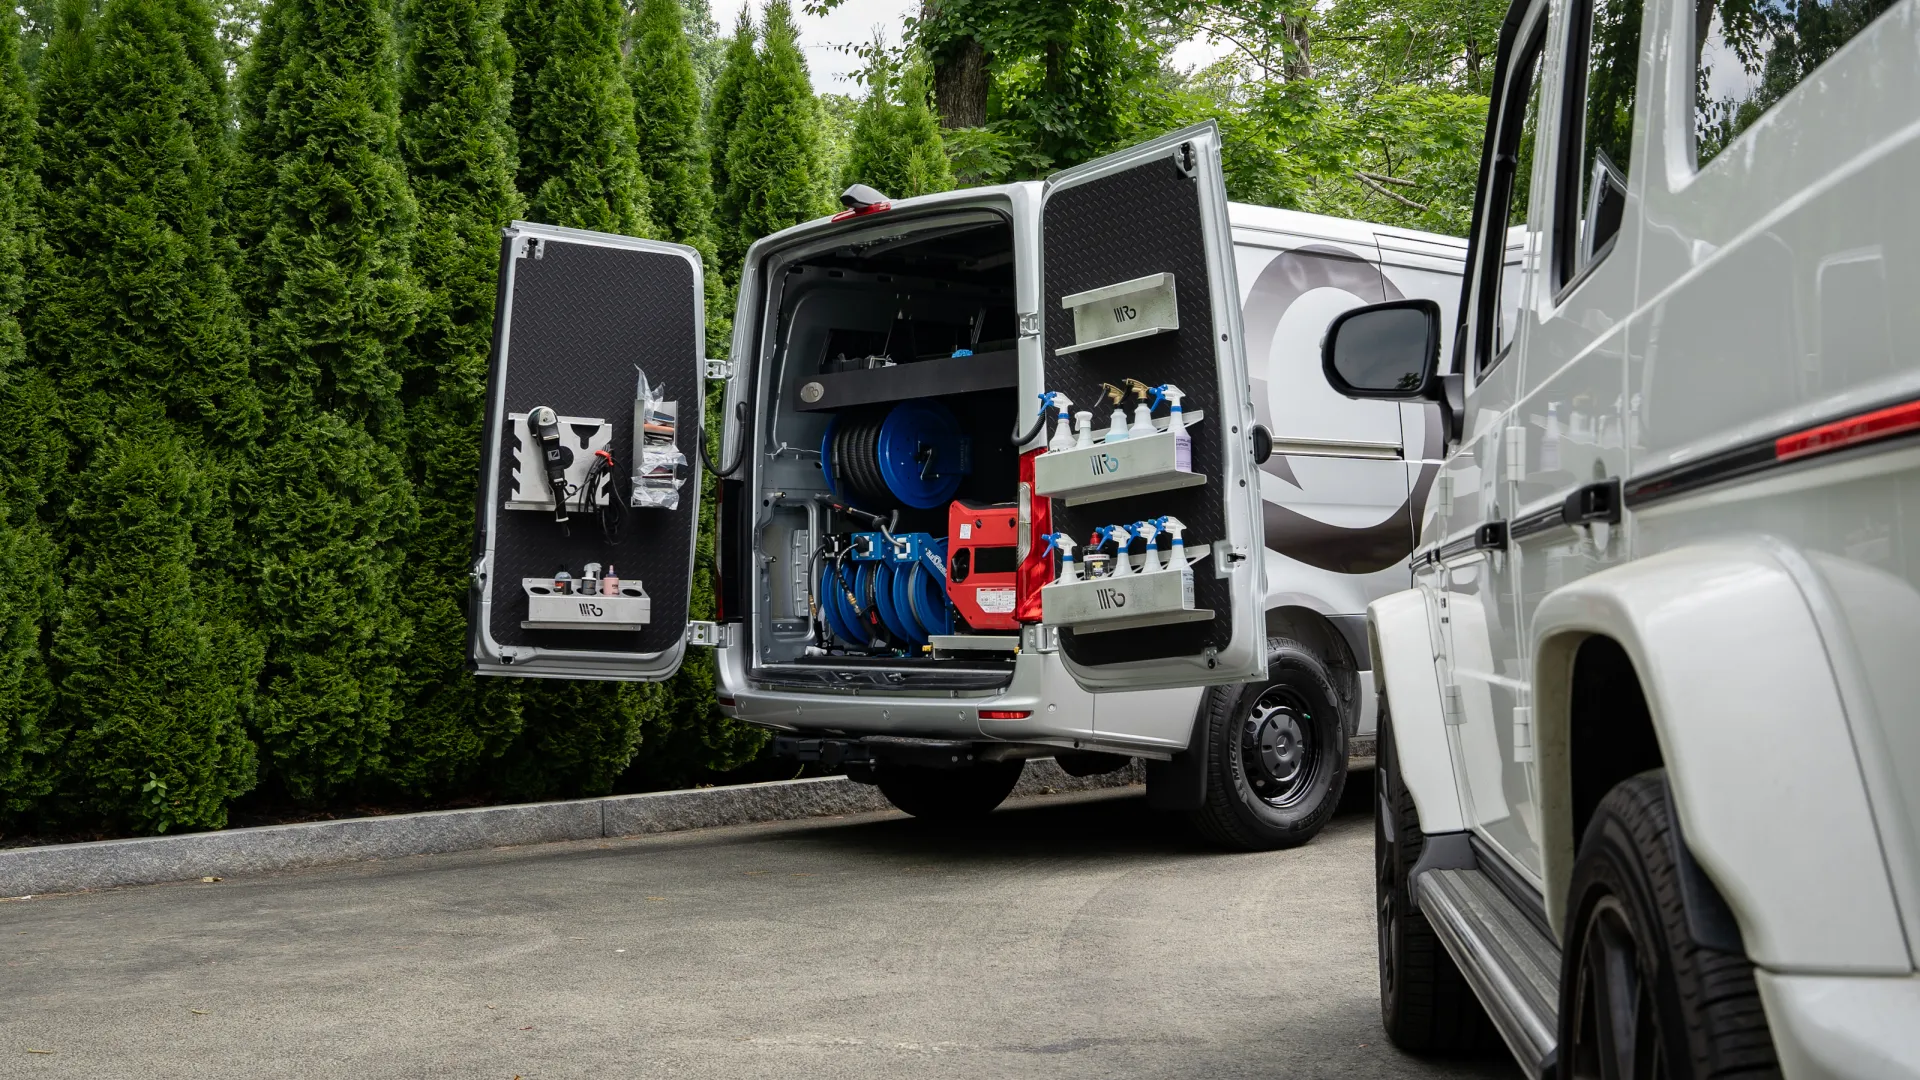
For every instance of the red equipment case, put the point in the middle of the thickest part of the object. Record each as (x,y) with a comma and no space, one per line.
(982,563)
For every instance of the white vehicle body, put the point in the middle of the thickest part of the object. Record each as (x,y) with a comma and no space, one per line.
(1731,387)
(1333,508)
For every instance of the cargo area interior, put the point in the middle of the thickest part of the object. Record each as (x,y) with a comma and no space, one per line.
(886,476)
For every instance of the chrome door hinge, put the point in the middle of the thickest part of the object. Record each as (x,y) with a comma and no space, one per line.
(711,634)
(1516,453)
(1443,494)
(1451,710)
(1029,324)
(719,369)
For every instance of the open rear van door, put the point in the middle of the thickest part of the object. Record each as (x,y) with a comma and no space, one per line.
(581,318)
(1138,283)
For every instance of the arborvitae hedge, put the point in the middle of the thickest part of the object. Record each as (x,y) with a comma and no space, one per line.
(896,138)
(775,170)
(573,114)
(739,69)
(28,565)
(140,332)
(330,283)
(456,133)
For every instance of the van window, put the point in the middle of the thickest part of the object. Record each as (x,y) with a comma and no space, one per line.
(1505,283)
(1748,54)
(1593,170)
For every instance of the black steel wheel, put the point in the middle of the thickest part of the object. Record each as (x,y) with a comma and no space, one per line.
(1640,999)
(1276,754)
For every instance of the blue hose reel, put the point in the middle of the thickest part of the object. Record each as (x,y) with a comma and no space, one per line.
(881,592)
(914,453)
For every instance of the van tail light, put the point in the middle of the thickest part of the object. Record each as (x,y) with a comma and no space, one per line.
(1005,714)
(1036,559)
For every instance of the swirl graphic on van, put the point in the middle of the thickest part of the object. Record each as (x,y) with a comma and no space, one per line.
(1342,549)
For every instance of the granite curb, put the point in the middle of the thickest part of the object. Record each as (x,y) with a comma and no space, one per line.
(151,860)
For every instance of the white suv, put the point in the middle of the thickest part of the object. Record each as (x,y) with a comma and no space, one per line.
(1650,789)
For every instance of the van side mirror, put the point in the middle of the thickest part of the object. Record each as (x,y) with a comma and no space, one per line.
(1389,351)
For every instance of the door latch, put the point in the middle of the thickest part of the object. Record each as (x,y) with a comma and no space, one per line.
(719,370)
(710,634)
(1029,324)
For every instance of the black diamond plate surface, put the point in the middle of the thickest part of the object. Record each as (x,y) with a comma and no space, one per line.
(1143,221)
(584,318)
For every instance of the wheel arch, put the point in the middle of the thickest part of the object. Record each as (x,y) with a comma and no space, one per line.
(1745,714)
(1317,632)
(1400,629)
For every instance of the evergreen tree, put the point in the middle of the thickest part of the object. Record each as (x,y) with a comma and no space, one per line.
(775,172)
(666,102)
(328,234)
(30,736)
(140,333)
(456,133)
(573,115)
(896,138)
(739,69)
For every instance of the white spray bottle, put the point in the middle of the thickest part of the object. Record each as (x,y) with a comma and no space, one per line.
(1123,536)
(1150,532)
(1177,557)
(1062,431)
(1143,412)
(1085,439)
(1117,423)
(1182,442)
(1069,570)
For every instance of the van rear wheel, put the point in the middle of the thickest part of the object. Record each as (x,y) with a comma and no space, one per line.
(971,791)
(1276,755)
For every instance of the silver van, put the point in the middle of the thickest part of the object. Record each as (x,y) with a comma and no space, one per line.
(920,577)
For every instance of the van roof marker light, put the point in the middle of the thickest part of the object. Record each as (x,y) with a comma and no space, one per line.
(861,200)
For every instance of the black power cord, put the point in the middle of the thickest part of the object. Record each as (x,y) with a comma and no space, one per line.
(614,514)
(739,417)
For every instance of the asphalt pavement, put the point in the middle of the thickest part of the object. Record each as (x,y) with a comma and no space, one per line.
(1071,936)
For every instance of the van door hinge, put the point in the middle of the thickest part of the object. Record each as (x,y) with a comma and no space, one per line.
(1029,324)
(1443,494)
(1451,710)
(711,634)
(719,369)
(1516,453)
(1522,734)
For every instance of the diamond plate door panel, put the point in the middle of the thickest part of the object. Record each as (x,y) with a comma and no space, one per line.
(580,315)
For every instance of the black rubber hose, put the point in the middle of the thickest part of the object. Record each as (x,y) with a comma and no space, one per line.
(1038,423)
(740,417)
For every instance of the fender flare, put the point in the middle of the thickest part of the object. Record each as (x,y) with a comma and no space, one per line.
(1766,781)
(1400,632)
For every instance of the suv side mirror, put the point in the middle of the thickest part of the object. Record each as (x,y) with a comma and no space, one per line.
(1389,351)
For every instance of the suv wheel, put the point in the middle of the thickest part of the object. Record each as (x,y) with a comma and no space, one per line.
(1638,996)
(948,794)
(1276,755)
(1425,1003)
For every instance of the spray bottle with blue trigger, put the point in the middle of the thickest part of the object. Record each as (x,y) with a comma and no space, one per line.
(1069,572)
(1182,442)
(1123,536)
(1063,430)
(1150,532)
(1177,556)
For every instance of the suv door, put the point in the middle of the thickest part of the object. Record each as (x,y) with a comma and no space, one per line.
(1154,217)
(580,316)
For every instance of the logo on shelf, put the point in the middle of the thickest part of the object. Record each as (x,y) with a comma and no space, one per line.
(1111,599)
(592,610)
(1125,313)
(1102,464)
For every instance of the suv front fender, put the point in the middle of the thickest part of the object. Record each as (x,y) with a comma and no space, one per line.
(1400,635)
(1755,740)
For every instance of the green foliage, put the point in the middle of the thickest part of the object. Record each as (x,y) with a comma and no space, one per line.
(138,331)
(456,135)
(329,224)
(776,174)
(739,71)
(672,146)
(573,115)
(896,145)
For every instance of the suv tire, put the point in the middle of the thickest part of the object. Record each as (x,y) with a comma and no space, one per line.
(1425,1003)
(1276,754)
(1630,963)
(971,791)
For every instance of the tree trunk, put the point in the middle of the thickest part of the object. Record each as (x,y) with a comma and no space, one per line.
(1299,63)
(960,86)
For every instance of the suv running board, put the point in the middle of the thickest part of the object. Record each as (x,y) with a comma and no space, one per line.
(1513,968)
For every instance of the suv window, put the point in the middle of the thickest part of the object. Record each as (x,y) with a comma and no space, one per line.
(1593,168)
(1505,284)
(1748,54)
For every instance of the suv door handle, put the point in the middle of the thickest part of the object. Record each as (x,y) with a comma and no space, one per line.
(1586,505)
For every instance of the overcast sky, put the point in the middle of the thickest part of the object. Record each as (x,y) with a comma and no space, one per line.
(834,66)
